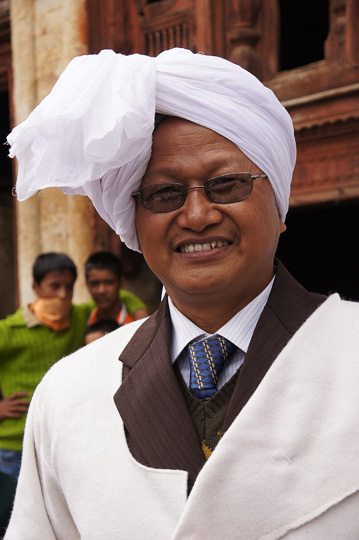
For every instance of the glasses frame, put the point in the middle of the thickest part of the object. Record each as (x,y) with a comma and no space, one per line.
(185,189)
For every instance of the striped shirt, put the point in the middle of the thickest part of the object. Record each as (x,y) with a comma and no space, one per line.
(238,330)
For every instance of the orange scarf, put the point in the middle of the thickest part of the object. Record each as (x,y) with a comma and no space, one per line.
(122,317)
(52,312)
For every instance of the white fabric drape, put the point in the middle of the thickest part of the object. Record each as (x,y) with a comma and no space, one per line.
(92,134)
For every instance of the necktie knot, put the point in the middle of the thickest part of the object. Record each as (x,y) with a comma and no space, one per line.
(207,358)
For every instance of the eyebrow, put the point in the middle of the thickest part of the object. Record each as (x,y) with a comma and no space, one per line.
(160,172)
(215,164)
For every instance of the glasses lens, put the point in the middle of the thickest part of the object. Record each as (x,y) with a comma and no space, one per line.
(229,188)
(162,197)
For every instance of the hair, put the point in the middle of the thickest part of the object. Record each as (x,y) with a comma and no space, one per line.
(103,260)
(52,262)
(103,325)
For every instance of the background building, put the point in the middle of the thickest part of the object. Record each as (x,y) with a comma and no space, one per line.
(307,52)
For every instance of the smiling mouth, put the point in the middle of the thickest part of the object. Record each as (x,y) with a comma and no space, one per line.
(190,248)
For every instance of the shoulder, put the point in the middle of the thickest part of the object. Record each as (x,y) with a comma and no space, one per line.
(90,367)
(132,302)
(351,309)
(82,310)
(13,320)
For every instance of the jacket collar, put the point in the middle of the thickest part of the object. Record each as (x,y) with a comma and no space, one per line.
(161,433)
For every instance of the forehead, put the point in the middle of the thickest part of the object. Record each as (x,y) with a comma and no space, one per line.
(101,275)
(59,275)
(186,148)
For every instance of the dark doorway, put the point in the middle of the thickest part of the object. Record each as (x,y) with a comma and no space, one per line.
(304,29)
(7,249)
(320,248)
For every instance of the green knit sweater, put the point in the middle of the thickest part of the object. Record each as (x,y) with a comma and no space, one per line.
(28,349)
(26,353)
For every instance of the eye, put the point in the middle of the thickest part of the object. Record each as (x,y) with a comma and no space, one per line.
(223,185)
(229,188)
(165,192)
(228,182)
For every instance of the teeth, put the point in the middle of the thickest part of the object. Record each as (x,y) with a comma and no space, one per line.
(190,248)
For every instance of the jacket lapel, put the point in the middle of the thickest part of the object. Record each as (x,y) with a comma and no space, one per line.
(288,306)
(160,431)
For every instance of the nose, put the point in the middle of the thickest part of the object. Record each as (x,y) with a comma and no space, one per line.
(198,212)
(62,292)
(101,287)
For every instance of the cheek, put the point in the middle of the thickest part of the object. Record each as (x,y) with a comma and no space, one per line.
(271,228)
(260,226)
(150,229)
(140,223)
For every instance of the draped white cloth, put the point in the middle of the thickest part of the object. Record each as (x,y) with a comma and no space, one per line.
(92,135)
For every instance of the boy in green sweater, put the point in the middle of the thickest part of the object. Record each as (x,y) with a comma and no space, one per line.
(32,340)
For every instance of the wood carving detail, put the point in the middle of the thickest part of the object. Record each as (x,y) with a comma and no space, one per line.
(243,33)
(328,164)
(158,40)
(335,43)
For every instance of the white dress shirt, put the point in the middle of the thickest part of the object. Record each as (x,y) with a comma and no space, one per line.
(238,330)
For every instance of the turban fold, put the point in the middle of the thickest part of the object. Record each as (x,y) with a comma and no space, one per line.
(92,135)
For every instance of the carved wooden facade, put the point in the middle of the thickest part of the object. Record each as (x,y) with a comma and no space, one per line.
(322,96)
(307,52)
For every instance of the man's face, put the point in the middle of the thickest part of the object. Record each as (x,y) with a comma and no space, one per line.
(56,284)
(243,236)
(103,286)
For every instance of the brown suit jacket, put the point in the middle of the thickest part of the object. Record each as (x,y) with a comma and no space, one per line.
(160,431)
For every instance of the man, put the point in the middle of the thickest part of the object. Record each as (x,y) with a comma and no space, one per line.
(104,280)
(248,433)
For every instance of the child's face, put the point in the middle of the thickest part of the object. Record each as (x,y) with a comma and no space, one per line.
(92,336)
(56,284)
(103,286)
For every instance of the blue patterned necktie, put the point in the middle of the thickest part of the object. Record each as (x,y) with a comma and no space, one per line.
(207,358)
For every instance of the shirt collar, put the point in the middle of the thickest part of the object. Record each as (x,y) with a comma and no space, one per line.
(29,318)
(238,330)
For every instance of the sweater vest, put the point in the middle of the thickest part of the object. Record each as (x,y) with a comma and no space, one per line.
(208,416)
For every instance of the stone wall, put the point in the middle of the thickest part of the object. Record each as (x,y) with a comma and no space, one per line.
(46,35)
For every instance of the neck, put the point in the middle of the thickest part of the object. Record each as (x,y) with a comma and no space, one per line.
(212,311)
(210,317)
(110,312)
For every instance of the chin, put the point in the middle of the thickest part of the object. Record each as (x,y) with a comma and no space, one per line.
(203,286)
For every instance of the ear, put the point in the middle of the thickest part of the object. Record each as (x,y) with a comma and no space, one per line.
(35,288)
(282,227)
(138,238)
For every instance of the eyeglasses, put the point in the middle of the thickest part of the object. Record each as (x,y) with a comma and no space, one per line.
(225,189)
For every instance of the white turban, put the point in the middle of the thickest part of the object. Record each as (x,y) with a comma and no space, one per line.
(92,135)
